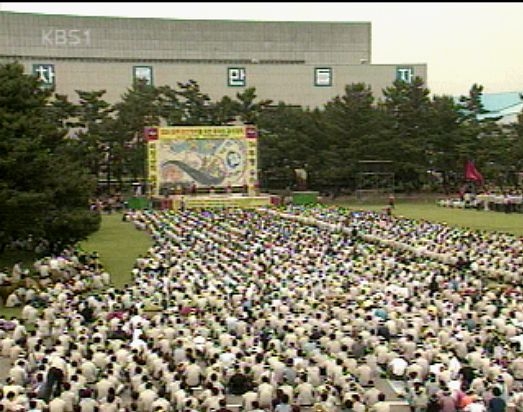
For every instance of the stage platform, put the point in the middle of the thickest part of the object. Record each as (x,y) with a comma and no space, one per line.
(177,202)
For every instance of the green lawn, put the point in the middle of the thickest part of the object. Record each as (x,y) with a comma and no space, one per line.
(428,210)
(118,244)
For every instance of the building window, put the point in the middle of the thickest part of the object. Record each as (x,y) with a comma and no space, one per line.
(323,77)
(236,77)
(144,73)
(404,74)
(45,74)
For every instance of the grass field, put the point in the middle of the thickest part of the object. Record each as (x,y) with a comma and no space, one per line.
(428,210)
(118,244)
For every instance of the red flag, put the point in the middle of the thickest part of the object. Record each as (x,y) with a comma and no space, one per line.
(471,173)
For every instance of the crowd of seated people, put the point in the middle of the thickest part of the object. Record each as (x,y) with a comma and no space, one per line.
(507,200)
(284,310)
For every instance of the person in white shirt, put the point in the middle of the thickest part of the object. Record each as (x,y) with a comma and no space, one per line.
(397,367)
(13,300)
(35,406)
(102,387)
(381,405)
(19,332)
(55,374)
(69,397)
(109,405)
(161,404)
(305,393)
(17,271)
(89,369)
(248,400)
(87,402)
(454,366)
(266,393)
(193,374)
(213,400)
(146,398)
(29,313)
(371,396)
(19,372)
(364,374)
(57,404)
(10,402)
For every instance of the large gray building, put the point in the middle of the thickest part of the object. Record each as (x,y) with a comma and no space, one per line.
(299,63)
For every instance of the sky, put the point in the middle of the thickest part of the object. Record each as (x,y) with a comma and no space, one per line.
(461,43)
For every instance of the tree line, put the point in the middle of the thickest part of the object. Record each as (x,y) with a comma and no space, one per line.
(427,140)
(53,151)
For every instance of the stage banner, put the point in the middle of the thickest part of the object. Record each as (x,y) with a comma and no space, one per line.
(206,156)
(152,167)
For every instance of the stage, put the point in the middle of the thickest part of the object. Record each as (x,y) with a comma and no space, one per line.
(208,201)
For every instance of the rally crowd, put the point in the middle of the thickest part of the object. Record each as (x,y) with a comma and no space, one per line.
(284,310)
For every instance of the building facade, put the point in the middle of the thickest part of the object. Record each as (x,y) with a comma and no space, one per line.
(297,63)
